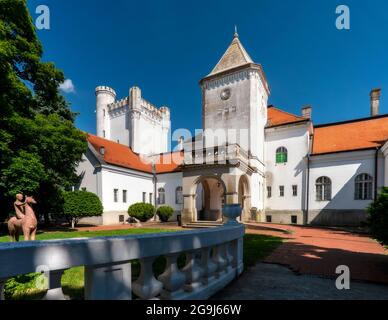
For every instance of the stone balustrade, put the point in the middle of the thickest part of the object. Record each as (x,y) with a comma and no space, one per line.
(219,154)
(213,259)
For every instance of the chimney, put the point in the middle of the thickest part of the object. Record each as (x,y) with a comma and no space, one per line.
(375,95)
(306,112)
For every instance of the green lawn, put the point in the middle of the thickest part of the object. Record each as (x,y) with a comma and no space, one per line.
(256,247)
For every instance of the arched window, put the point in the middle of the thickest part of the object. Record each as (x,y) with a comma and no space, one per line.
(162,196)
(363,187)
(178,195)
(323,189)
(281,155)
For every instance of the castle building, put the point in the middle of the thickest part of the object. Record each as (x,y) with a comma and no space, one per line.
(279,166)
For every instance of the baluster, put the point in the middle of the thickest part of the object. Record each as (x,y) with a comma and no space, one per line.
(146,286)
(2,285)
(193,271)
(227,256)
(108,282)
(54,291)
(237,254)
(208,266)
(173,279)
(219,260)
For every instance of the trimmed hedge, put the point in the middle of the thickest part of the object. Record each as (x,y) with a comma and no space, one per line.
(80,204)
(378,217)
(165,213)
(141,211)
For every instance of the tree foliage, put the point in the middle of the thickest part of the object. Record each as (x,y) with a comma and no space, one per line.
(141,211)
(79,204)
(378,217)
(39,144)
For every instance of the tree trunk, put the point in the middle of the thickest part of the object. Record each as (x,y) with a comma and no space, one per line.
(72,223)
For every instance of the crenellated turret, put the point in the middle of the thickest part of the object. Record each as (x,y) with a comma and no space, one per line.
(104,97)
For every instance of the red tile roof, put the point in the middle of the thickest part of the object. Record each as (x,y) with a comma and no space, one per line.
(123,156)
(351,135)
(277,117)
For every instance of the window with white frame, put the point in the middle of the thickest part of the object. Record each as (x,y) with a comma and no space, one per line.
(124,196)
(323,189)
(179,195)
(281,155)
(294,190)
(281,191)
(116,195)
(144,197)
(269,192)
(363,187)
(162,196)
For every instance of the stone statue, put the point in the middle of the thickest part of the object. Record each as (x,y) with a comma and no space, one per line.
(25,220)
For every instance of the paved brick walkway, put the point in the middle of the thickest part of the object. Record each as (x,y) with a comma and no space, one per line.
(319,251)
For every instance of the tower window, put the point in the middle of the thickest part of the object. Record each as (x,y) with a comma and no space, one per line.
(103,133)
(281,155)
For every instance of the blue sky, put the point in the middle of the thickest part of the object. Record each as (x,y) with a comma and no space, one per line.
(166,47)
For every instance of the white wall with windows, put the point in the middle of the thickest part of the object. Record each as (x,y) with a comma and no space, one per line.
(286,167)
(350,174)
(133,182)
(171,183)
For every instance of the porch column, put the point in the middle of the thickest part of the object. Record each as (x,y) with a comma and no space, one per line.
(188,208)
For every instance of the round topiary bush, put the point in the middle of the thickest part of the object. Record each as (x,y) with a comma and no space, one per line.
(79,204)
(378,217)
(141,211)
(165,213)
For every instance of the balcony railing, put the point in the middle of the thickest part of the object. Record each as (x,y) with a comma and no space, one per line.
(213,259)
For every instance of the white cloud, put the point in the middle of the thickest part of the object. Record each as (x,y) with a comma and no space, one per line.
(67,86)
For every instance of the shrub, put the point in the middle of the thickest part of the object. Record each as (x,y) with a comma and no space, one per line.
(141,211)
(79,204)
(378,217)
(165,213)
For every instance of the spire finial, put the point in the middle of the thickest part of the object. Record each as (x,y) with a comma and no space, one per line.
(235,31)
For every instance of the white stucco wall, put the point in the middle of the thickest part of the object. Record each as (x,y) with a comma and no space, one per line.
(170,181)
(120,126)
(134,182)
(342,169)
(91,176)
(244,111)
(295,138)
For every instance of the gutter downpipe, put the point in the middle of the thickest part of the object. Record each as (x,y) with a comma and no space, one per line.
(308,190)
(376,171)
(154,180)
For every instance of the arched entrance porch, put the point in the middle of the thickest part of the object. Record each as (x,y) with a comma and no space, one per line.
(209,197)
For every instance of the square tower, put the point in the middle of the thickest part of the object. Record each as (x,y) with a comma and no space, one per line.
(234,102)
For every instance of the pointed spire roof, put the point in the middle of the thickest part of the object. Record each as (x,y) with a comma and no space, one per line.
(234,56)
